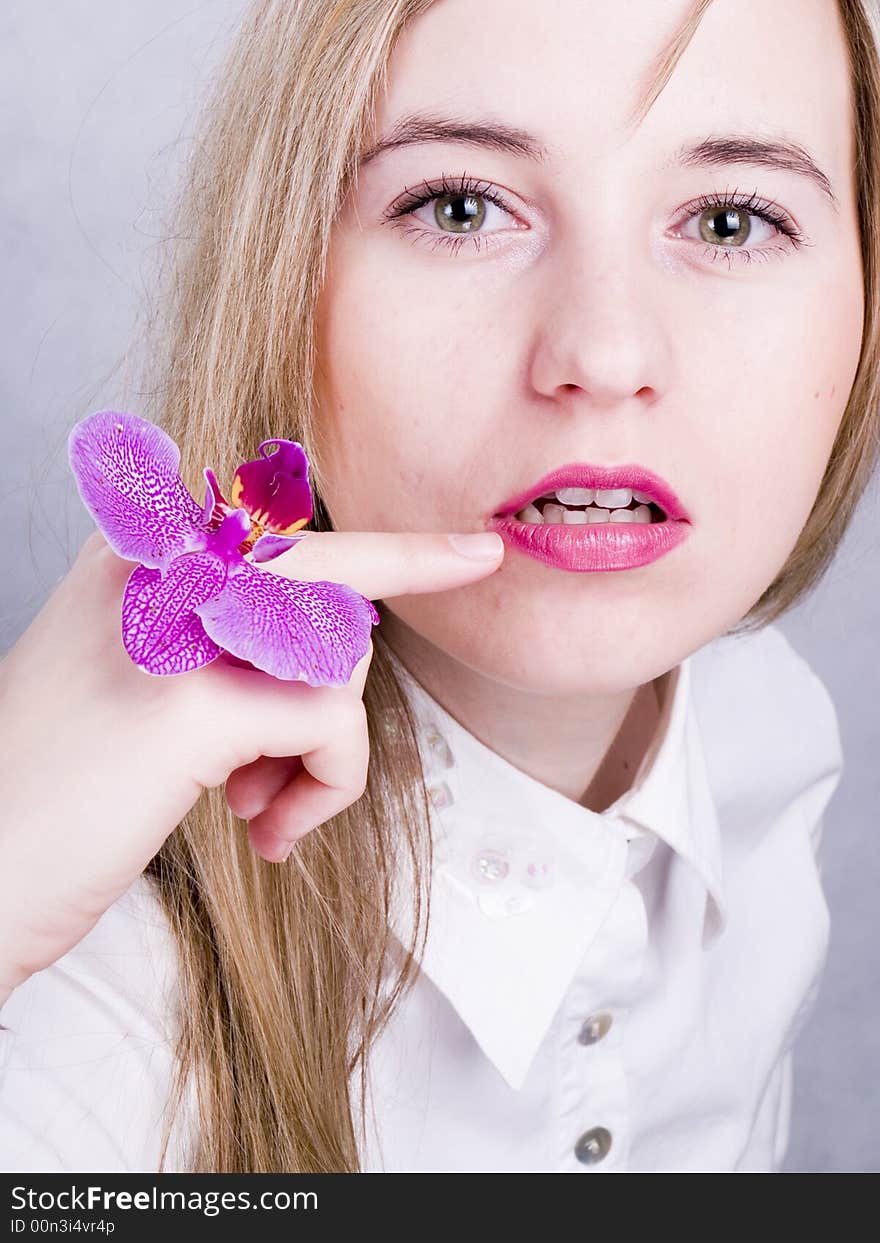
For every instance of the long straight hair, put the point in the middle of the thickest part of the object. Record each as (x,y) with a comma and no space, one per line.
(284,978)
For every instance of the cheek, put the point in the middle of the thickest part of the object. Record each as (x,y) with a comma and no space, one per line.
(374,435)
(772,473)
(778,406)
(383,472)
(400,443)
(799,422)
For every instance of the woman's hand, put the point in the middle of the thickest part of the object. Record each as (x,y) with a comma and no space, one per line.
(100,761)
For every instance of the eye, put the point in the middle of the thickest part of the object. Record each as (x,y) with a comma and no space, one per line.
(459,211)
(724,224)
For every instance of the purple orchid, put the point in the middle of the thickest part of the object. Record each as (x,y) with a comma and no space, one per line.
(194,597)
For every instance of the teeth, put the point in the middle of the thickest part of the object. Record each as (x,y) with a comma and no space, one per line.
(558,514)
(613,498)
(628,515)
(578,496)
(608,505)
(608,498)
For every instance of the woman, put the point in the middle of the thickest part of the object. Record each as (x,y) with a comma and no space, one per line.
(455,253)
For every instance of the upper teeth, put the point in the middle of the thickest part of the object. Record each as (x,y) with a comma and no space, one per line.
(607,498)
(612,506)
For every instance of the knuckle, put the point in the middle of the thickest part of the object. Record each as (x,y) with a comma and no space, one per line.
(352,794)
(360,672)
(359,785)
(364,774)
(350,714)
(357,749)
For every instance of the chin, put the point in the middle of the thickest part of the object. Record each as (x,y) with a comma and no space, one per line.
(546,665)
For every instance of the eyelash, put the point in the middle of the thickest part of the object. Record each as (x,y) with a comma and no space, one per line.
(413,199)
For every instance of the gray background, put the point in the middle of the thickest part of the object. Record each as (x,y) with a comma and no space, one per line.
(98,100)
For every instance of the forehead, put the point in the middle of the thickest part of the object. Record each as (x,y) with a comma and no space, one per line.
(572,73)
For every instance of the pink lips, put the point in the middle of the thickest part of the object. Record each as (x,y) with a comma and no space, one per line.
(595,546)
(583,475)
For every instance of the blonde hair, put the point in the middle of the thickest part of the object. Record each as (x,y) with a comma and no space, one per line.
(282,968)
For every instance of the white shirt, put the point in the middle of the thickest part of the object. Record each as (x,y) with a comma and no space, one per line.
(601,992)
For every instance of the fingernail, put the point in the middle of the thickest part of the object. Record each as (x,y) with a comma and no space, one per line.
(280,848)
(483,546)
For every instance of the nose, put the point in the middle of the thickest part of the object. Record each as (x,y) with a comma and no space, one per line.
(598,331)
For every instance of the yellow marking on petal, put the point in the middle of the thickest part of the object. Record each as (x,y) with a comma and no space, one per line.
(237,488)
(296,526)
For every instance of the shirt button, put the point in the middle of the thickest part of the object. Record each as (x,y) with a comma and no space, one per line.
(595,1027)
(490,865)
(440,795)
(439,747)
(593,1146)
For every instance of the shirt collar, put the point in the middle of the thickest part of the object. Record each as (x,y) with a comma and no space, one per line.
(524,876)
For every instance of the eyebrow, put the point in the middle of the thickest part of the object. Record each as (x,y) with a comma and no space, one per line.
(492,135)
(768,152)
(709,152)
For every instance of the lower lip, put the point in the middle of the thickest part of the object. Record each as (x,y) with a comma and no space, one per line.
(595,545)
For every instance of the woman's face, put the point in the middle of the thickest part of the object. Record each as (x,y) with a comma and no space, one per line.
(592,311)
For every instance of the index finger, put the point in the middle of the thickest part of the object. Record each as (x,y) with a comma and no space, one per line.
(384,563)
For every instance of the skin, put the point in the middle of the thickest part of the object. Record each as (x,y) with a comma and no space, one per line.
(595,323)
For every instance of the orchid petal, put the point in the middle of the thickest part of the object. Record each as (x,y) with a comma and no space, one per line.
(269,546)
(219,498)
(194,598)
(296,631)
(274,488)
(224,542)
(210,498)
(126,472)
(160,631)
